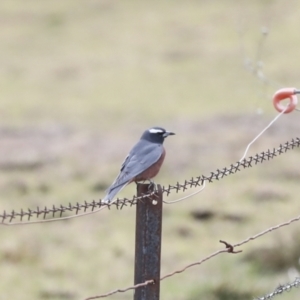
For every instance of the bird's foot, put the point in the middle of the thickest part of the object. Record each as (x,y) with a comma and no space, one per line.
(152,186)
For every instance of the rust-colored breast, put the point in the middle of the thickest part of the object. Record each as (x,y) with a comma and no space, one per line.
(153,170)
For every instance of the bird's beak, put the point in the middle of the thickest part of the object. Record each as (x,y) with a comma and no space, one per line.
(167,133)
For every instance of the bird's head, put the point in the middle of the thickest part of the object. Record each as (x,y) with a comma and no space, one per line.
(156,135)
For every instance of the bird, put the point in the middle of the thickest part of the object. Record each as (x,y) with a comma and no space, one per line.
(142,163)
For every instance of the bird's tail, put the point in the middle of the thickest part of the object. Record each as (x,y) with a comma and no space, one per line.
(112,192)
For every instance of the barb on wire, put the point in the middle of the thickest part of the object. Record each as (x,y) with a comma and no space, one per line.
(281,289)
(230,248)
(54,213)
(87,208)
(188,196)
(162,278)
(244,155)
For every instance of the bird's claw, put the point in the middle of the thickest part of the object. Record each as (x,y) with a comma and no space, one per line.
(152,186)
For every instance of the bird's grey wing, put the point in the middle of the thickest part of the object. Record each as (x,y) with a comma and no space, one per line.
(140,158)
(127,158)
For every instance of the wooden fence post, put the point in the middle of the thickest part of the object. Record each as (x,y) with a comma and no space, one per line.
(148,242)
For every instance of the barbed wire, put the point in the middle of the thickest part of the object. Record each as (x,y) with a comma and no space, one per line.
(281,289)
(256,67)
(55,212)
(230,248)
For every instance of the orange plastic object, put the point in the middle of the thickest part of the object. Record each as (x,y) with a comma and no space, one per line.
(282,94)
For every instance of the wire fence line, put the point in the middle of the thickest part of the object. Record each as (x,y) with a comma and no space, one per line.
(86,207)
(54,213)
(254,66)
(122,290)
(281,289)
(92,207)
(229,248)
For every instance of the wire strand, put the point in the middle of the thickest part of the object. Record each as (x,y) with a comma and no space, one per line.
(9,218)
(261,133)
(242,158)
(186,197)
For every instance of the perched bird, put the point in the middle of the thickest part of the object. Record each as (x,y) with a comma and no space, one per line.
(143,161)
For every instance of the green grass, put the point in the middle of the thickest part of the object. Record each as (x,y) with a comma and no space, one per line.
(81,80)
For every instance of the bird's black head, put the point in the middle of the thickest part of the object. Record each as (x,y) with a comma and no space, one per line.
(156,135)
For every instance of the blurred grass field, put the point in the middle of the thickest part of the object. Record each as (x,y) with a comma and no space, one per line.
(81,80)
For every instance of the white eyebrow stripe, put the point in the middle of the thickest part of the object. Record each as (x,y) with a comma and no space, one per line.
(154,130)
